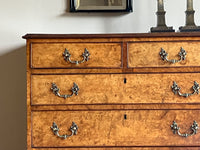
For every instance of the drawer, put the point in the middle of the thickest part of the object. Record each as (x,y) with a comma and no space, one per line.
(146,54)
(93,89)
(114,88)
(112,128)
(102,55)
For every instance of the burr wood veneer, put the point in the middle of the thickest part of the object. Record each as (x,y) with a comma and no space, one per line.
(122,93)
(109,128)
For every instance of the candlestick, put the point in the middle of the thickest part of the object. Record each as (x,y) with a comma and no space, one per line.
(190,24)
(161,26)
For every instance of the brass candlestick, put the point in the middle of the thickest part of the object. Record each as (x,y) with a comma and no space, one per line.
(190,25)
(161,25)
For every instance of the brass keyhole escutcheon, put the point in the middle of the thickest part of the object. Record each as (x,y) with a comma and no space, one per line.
(125,117)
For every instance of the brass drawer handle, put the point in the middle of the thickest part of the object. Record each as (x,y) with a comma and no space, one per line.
(85,55)
(176,129)
(73,129)
(56,90)
(164,54)
(176,89)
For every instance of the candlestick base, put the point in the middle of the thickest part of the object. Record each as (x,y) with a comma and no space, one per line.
(162,29)
(189,28)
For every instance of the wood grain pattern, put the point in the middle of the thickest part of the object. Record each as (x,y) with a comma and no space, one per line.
(111,89)
(103,99)
(120,35)
(156,88)
(50,55)
(28,95)
(147,54)
(109,128)
(93,89)
(75,71)
(113,40)
(125,148)
(114,71)
(118,107)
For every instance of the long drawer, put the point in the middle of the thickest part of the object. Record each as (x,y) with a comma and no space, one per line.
(115,88)
(54,55)
(148,54)
(114,128)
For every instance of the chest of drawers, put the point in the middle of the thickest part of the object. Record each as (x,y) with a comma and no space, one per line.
(113,91)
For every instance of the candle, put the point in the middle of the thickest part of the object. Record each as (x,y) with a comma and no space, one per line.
(160,5)
(189,4)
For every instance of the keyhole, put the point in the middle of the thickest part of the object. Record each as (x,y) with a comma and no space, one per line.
(124,80)
(125,116)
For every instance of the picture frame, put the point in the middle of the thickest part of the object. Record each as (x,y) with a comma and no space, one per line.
(101,6)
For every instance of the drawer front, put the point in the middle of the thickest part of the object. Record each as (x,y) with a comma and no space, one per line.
(146,54)
(102,55)
(110,128)
(114,88)
(93,89)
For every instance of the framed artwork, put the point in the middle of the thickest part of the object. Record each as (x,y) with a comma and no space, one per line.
(101,5)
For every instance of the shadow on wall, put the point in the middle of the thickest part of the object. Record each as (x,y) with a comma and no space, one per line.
(13,100)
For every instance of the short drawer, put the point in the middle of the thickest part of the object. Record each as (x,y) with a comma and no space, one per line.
(54,55)
(114,128)
(147,54)
(115,89)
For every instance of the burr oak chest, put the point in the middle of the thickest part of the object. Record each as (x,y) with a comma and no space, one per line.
(113,91)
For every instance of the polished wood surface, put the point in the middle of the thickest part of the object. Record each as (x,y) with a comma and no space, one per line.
(146,97)
(110,128)
(28,95)
(115,60)
(50,55)
(112,35)
(105,107)
(114,88)
(94,89)
(157,88)
(147,54)
(125,148)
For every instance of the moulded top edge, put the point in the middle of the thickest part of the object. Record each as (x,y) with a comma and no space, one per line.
(112,35)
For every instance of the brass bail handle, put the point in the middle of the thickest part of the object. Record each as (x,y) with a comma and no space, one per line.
(73,129)
(176,89)
(85,55)
(56,90)
(176,129)
(182,54)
